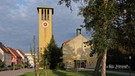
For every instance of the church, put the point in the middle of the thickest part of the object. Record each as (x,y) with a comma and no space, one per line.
(76,53)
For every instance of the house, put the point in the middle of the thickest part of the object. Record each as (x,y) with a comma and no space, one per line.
(15,55)
(24,57)
(5,55)
(76,53)
(30,59)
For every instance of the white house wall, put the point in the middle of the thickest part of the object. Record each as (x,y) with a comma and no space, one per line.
(7,59)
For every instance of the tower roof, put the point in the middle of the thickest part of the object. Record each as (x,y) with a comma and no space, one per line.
(45,7)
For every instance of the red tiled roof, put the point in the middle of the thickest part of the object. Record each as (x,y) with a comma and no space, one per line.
(13,52)
(66,41)
(4,48)
(21,53)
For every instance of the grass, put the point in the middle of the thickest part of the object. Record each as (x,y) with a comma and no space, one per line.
(64,73)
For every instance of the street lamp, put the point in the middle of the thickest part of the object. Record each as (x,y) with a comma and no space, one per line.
(130,65)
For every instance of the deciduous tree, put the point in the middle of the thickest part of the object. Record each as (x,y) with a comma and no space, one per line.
(99,15)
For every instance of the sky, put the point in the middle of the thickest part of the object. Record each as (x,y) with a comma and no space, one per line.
(19,22)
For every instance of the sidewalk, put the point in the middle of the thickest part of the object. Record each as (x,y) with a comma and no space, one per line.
(121,73)
(15,72)
(113,72)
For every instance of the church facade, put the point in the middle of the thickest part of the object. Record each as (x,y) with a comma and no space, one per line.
(76,53)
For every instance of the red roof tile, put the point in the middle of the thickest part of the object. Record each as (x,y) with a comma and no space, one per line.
(4,48)
(13,52)
(66,41)
(21,53)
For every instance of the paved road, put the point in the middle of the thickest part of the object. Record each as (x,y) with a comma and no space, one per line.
(121,73)
(22,71)
(15,72)
(114,72)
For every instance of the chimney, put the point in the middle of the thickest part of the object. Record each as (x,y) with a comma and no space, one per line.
(78,31)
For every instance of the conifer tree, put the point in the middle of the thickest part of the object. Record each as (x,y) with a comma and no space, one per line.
(53,54)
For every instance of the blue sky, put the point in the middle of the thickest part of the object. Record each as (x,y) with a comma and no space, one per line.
(19,22)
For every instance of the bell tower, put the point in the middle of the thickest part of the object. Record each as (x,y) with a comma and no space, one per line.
(45,27)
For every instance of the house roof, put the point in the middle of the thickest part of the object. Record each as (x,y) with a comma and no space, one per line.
(21,53)
(66,41)
(13,52)
(73,38)
(4,48)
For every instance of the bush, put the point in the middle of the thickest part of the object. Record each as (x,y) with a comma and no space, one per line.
(61,66)
(1,64)
(17,66)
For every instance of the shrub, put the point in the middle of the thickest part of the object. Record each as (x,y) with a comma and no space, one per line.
(61,66)
(1,64)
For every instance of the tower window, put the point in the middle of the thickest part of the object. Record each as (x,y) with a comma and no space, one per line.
(45,14)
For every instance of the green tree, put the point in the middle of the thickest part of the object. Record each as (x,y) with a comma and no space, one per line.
(114,56)
(99,16)
(100,19)
(126,28)
(53,54)
(2,64)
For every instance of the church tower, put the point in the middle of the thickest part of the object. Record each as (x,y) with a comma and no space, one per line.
(45,27)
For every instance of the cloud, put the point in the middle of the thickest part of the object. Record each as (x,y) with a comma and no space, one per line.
(19,22)
(65,22)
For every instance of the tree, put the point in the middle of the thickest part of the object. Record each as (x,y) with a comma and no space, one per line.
(126,28)
(114,56)
(53,54)
(99,16)
(34,52)
(2,64)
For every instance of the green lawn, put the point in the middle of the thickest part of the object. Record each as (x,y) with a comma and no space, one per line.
(64,73)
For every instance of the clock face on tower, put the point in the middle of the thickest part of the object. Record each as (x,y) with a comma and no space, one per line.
(45,24)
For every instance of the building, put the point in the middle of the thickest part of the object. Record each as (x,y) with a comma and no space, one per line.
(24,57)
(15,55)
(31,59)
(76,53)
(45,27)
(5,55)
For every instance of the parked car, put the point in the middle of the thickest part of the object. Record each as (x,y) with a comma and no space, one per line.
(29,67)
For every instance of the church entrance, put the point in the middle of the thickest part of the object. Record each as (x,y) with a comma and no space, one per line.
(80,63)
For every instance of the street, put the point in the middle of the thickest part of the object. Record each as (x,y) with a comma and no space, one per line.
(114,72)
(22,71)
(121,73)
(15,72)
